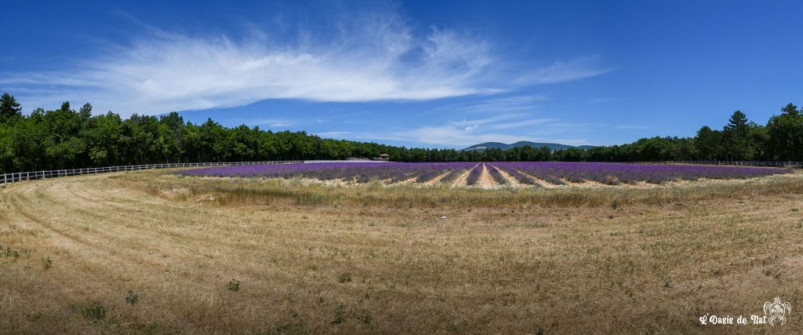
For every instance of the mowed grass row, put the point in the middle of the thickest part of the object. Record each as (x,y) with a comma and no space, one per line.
(255,191)
(149,252)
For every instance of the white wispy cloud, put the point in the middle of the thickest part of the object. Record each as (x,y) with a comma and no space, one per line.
(603,99)
(562,71)
(498,105)
(373,56)
(522,123)
(331,134)
(271,123)
(612,99)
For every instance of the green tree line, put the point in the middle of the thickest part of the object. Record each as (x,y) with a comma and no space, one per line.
(65,138)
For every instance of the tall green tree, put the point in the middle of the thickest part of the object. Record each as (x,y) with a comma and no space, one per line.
(736,138)
(85,112)
(758,140)
(9,107)
(708,143)
(103,139)
(785,132)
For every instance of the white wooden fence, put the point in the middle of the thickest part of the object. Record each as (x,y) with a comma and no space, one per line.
(31,175)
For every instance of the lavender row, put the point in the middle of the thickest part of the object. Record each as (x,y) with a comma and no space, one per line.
(474,175)
(452,176)
(496,175)
(520,177)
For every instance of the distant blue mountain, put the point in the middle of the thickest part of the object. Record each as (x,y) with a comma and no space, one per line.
(503,146)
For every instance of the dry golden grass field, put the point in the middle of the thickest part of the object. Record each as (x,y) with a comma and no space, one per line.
(151,252)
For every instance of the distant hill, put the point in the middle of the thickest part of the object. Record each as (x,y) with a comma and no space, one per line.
(497,145)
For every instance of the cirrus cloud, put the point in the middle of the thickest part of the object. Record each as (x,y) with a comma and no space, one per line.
(372,57)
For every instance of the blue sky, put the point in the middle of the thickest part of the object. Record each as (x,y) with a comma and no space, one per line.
(443,74)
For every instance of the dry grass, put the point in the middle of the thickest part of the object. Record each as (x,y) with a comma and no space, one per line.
(318,258)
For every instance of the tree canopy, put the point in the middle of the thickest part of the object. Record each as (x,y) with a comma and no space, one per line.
(65,138)
(9,107)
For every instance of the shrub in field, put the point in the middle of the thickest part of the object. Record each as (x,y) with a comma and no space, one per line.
(47,263)
(344,277)
(16,254)
(340,314)
(234,285)
(365,317)
(94,311)
(132,298)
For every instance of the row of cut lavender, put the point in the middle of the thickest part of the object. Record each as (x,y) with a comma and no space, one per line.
(523,172)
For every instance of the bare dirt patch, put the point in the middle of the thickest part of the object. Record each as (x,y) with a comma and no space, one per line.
(592,183)
(407,181)
(485,181)
(436,179)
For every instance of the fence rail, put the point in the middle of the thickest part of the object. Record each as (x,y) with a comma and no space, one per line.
(738,163)
(33,175)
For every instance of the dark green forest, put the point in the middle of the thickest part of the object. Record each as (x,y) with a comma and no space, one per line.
(65,138)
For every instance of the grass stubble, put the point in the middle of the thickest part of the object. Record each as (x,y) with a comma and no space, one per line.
(229,255)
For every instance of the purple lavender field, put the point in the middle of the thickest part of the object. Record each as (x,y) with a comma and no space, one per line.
(358,172)
(526,173)
(615,173)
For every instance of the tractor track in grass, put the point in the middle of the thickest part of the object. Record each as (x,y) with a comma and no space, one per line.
(81,229)
(100,224)
(126,241)
(171,216)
